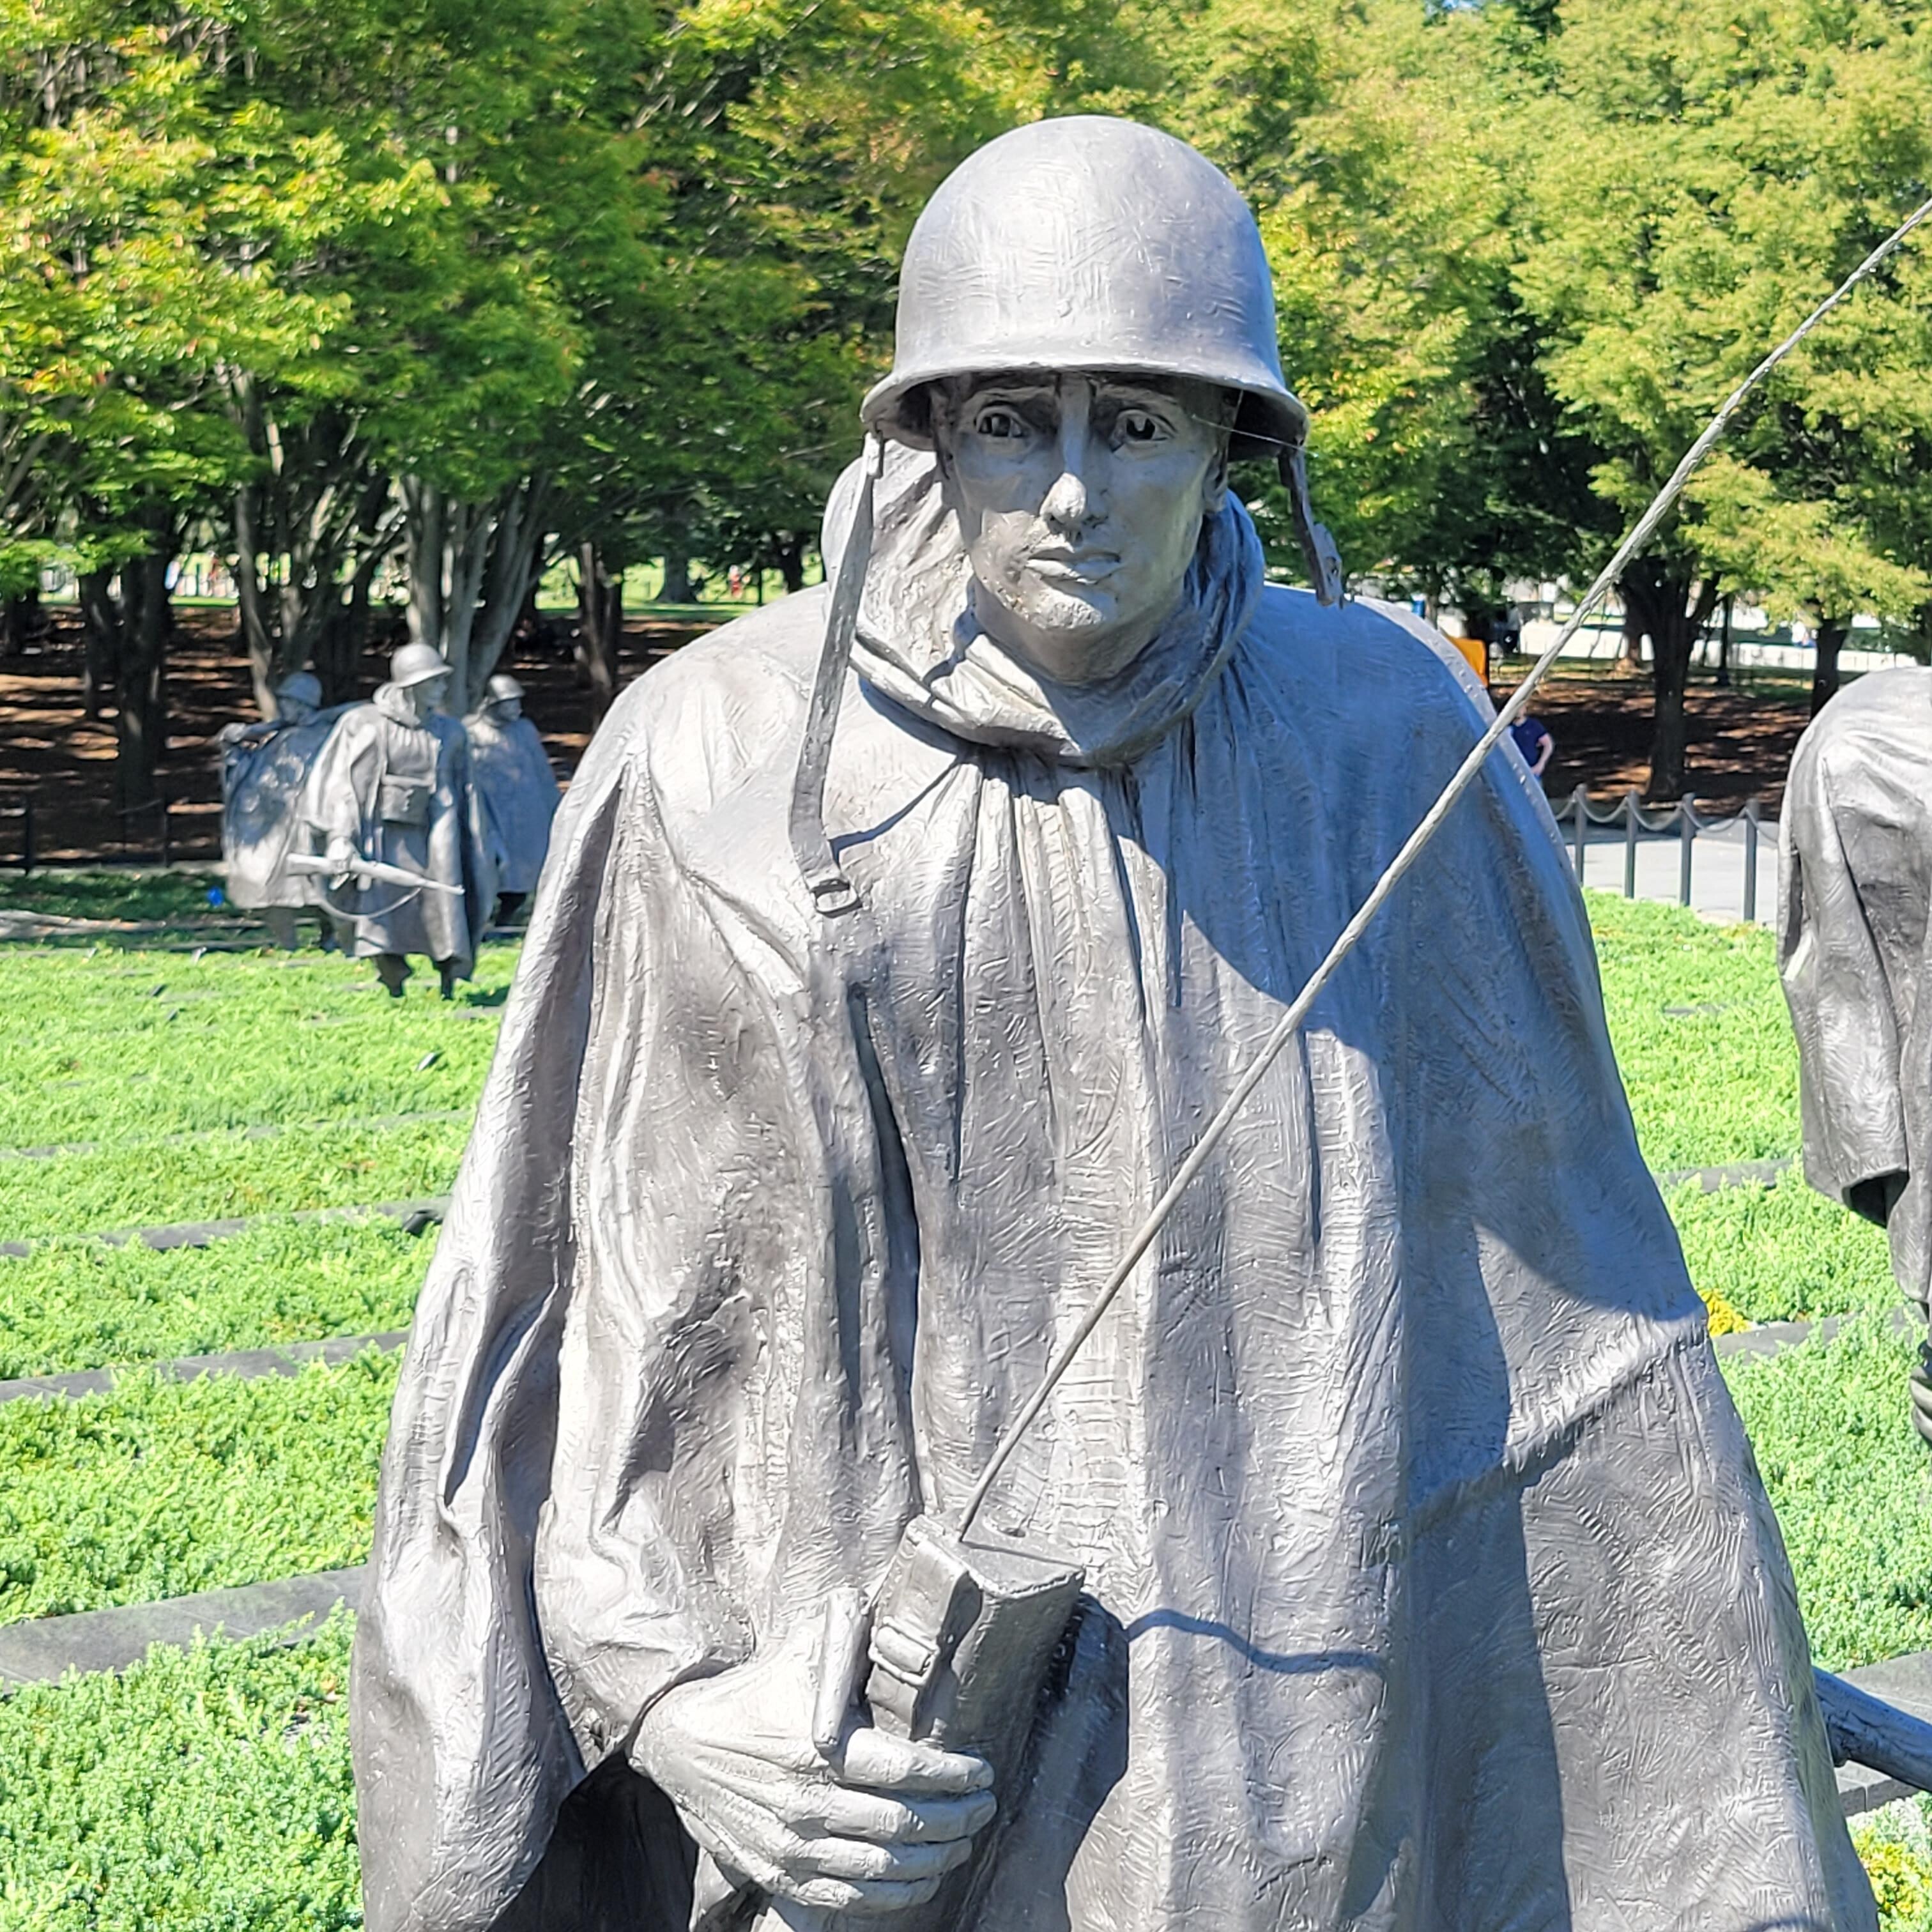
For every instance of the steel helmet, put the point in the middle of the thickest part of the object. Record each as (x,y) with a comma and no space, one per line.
(503,685)
(301,687)
(417,664)
(1089,243)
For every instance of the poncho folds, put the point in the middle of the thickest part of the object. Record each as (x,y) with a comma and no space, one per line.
(265,771)
(1855,890)
(511,772)
(1431,1583)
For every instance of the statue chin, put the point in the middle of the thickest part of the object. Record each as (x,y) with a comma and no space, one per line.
(1072,637)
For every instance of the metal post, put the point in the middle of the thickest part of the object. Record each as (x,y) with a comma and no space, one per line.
(1630,844)
(27,833)
(1687,831)
(1751,860)
(167,843)
(1579,805)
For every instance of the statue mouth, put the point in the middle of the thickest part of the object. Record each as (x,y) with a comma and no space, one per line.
(1077,566)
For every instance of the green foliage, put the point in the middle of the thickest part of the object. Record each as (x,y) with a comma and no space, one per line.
(1896,1847)
(206,1788)
(78,1304)
(179,898)
(1848,1477)
(1702,1032)
(1784,1253)
(160,1488)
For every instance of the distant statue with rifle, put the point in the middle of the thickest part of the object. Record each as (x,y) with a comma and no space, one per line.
(511,772)
(404,856)
(1854,894)
(265,768)
(1389,1556)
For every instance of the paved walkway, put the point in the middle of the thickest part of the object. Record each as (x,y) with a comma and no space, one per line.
(1717,868)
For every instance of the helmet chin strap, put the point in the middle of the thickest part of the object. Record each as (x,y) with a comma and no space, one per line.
(832,892)
(1322,560)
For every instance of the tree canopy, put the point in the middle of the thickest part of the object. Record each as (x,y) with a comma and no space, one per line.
(409,290)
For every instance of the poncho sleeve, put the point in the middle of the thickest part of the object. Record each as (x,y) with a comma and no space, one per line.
(1853,1114)
(463,1752)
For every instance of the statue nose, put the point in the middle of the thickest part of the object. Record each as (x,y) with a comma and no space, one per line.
(1068,505)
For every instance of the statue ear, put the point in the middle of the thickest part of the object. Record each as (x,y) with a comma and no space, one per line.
(1214,484)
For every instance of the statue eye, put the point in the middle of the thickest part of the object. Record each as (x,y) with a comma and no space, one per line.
(1137,426)
(1000,424)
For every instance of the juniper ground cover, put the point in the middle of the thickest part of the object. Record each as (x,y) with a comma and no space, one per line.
(211,1790)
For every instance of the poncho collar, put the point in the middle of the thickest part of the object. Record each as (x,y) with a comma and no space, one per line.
(390,701)
(918,644)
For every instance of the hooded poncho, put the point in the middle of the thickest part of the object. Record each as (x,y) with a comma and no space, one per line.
(1856,844)
(1430,1581)
(265,770)
(398,789)
(511,771)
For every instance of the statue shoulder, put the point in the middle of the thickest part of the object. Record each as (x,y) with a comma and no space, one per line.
(1363,661)
(698,720)
(1875,731)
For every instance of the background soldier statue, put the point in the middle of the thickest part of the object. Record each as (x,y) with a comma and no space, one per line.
(265,768)
(392,785)
(511,772)
(1428,1582)
(1856,847)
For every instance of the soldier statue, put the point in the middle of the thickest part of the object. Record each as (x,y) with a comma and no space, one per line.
(265,768)
(897,943)
(511,772)
(392,787)
(1854,890)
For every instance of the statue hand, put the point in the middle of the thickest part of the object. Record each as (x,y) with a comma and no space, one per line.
(342,857)
(1919,1387)
(874,1828)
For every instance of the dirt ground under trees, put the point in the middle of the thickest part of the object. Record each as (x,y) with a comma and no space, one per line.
(63,762)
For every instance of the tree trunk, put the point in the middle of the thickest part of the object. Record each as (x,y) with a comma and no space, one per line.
(1832,632)
(100,639)
(1723,678)
(1664,599)
(677,585)
(1632,654)
(600,607)
(21,620)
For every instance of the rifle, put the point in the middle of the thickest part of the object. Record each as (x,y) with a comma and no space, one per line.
(364,872)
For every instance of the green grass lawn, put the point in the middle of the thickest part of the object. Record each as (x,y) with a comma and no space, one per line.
(211,1790)
(140,894)
(159,1489)
(82,1304)
(1702,1034)
(204,1791)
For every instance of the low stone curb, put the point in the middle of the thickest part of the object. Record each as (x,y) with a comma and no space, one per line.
(1736,1174)
(415,1215)
(1907,1682)
(44,1650)
(1767,1338)
(247,1363)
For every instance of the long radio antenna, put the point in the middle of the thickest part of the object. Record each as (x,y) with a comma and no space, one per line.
(1291,1021)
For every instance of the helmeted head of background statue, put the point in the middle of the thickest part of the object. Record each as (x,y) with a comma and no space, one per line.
(298,697)
(421,674)
(506,698)
(1086,334)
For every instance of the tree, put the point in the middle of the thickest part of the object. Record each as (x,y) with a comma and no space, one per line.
(1700,179)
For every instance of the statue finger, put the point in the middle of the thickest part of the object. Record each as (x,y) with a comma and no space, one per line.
(875,1759)
(890,1821)
(838,1894)
(862,1863)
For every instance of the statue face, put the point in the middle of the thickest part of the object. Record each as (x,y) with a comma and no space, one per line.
(425,697)
(509,709)
(1080,498)
(293,710)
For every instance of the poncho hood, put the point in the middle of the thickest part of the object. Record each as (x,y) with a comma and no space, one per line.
(918,644)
